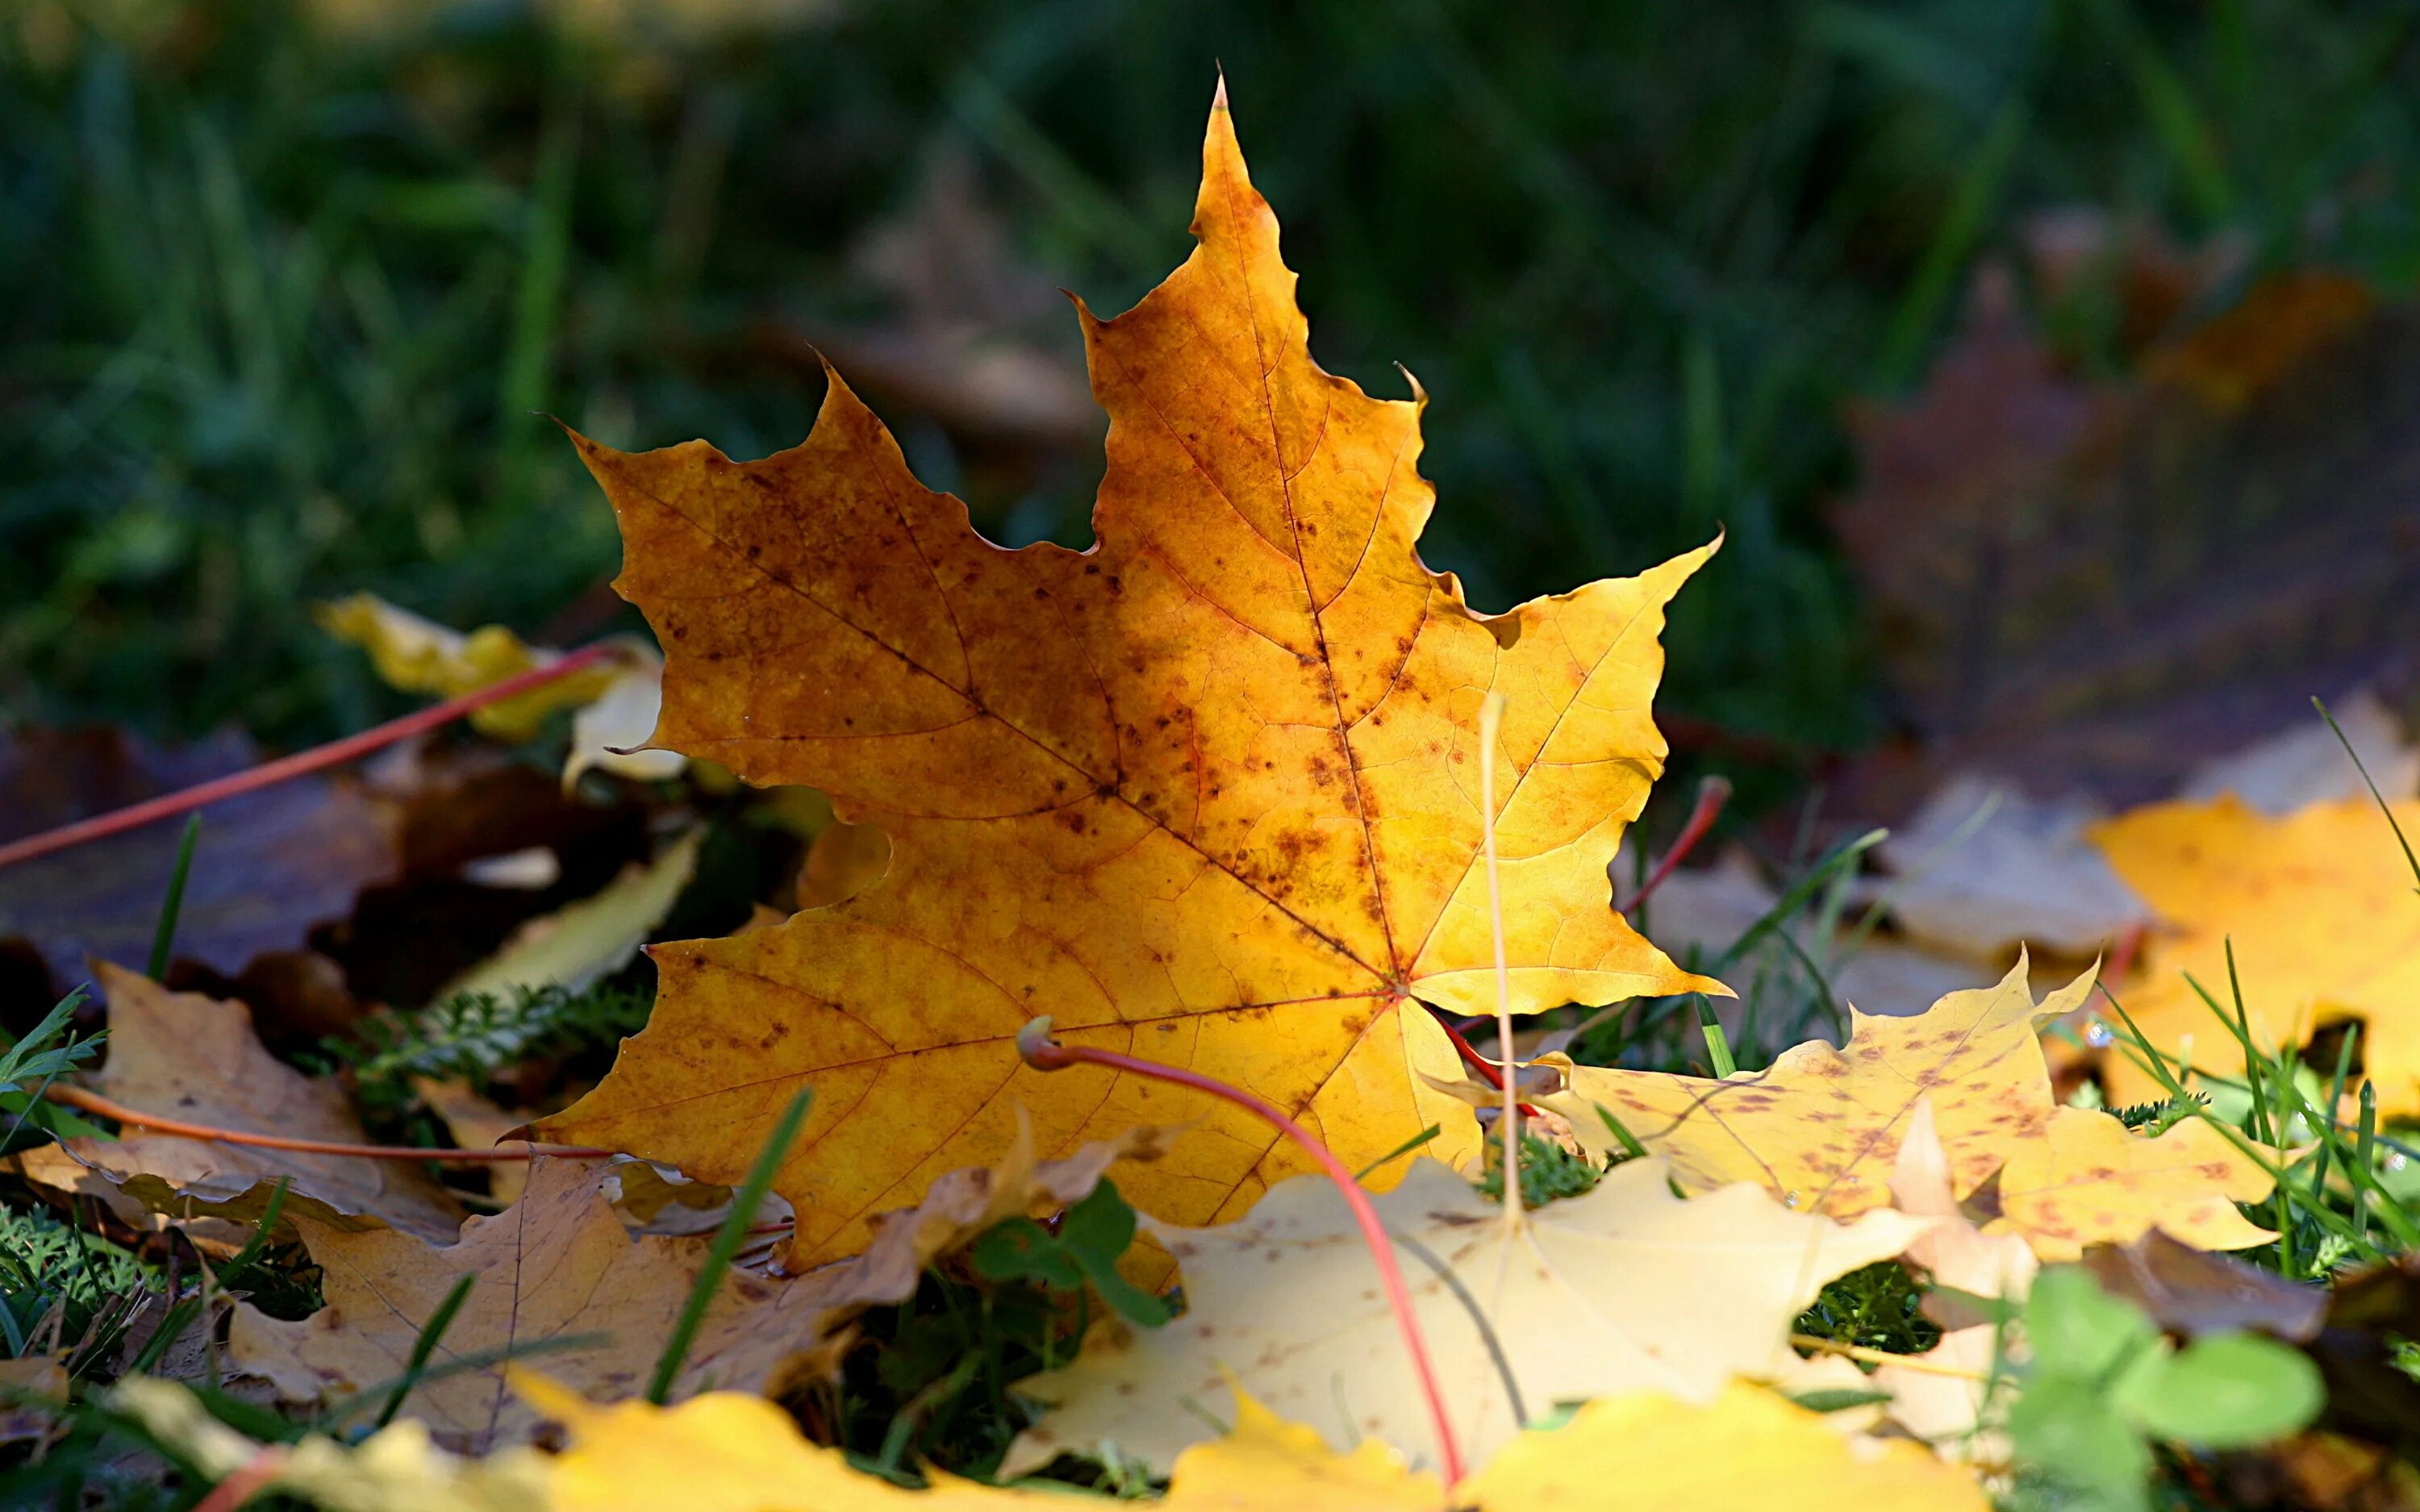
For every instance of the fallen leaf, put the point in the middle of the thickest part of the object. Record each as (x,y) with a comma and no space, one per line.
(2305,764)
(611,732)
(560,1262)
(1625,1286)
(193,1058)
(1820,1128)
(1983,869)
(555,1265)
(578,944)
(37,1397)
(2320,908)
(1204,793)
(476,1123)
(1945,1395)
(956,1211)
(1746,1449)
(1954,1252)
(2087,584)
(269,866)
(844,861)
(613,702)
(2189,1291)
(419,656)
(395,1469)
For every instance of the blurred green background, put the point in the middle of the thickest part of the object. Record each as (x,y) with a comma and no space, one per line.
(289,288)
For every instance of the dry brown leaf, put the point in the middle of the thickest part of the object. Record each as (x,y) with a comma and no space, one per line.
(1820,1128)
(1624,1287)
(193,1058)
(269,865)
(556,1264)
(1984,868)
(1204,794)
(560,1263)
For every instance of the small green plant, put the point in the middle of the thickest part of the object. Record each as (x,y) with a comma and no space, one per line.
(1877,1306)
(1548,1171)
(63,1287)
(475,1036)
(2101,1386)
(1085,1249)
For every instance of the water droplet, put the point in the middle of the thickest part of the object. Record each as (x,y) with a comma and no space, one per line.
(2099,1035)
(1790,1201)
(2396,1160)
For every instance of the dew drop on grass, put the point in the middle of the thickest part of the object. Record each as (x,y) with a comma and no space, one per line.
(1791,1200)
(2099,1036)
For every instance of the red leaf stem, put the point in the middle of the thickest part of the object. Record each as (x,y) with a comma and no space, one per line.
(1712,793)
(76,1096)
(268,774)
(1044,1054)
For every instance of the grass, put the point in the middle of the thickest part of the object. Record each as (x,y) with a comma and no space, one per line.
(290,290)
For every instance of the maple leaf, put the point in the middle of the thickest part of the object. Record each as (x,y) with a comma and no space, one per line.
(2325,925)
(1643,1452)
(1622,1288)
(397,1469)
(559,1263)
(1639,1452)
(555,1266)
(194,1058)
(1820,1128)
(1204,794)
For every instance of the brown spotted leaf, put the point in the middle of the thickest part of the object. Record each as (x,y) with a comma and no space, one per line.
(1208,792)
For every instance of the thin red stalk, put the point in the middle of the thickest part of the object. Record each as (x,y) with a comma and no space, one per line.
(76,1096)
(268,774)
(1711,795)
(244,1480)
(1494,1073)
(1044,1054)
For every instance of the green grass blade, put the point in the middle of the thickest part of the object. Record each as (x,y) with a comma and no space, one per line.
(1718,1049)
(2384,807)
(1840,857)
(425,1346)
(727,1240)
(164,934)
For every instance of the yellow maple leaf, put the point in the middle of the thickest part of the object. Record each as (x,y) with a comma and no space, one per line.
(728,1453)
(2326,927)
(1621,1287)
(1643,1452)
(1204,794)
(1820,1128)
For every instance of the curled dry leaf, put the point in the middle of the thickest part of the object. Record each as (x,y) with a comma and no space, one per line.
(193,1058)
(1624,1287)
(1820,1128)
(2325,924)
(1955,1252)
(1204,793)
(615,703)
